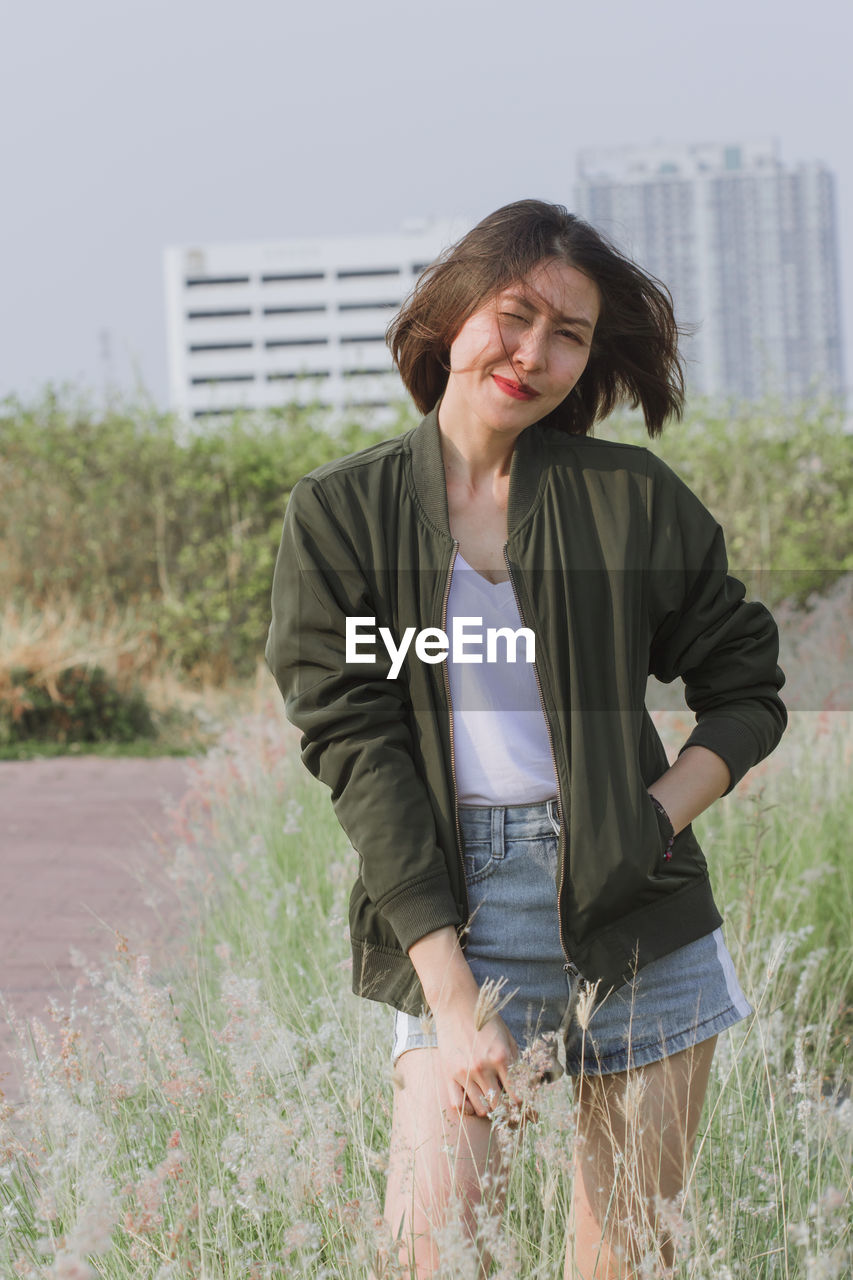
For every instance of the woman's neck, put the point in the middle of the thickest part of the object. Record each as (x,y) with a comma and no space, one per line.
(474,454)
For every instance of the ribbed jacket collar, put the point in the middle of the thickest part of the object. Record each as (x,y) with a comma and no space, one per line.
(525,473)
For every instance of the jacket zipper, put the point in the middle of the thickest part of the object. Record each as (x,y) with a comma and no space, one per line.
(452,749)
(569,967)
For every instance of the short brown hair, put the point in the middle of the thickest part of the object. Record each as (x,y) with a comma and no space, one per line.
(634,353)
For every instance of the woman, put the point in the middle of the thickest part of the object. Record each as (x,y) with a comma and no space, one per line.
(518,820)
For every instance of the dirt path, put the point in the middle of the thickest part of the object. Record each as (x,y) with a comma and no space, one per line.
(78,860)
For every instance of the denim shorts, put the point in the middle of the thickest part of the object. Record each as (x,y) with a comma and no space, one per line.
(672,1003)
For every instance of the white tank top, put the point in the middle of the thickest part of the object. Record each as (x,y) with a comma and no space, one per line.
(500,739)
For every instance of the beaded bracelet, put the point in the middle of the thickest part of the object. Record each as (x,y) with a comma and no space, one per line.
(667,853)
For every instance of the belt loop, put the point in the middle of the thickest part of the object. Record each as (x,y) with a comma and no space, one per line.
(553,815)
(498,830)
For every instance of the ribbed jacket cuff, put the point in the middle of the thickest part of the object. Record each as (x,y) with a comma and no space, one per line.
(730,739)
(421,907)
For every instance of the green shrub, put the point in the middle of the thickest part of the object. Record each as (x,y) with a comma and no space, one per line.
(83,705)
(127,506)
(780,482)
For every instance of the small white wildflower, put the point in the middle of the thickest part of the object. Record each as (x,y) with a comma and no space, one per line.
(585,1006)
(811,967)
(67,1268)
(844,1115)
(292,815)
(457,1251)
(798,1234)
(490,1001)
(631,1097)
(774,961)
(339,874)
(832,1199)
(302,1235)
(46,1206)
(813,875)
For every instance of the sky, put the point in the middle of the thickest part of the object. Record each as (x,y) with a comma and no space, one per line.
(129,126)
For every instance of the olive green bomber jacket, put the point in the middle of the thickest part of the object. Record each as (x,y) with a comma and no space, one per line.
(620,572)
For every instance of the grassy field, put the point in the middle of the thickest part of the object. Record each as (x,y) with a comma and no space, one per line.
(231,1119)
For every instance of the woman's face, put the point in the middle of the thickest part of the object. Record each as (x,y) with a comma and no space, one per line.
(519,356)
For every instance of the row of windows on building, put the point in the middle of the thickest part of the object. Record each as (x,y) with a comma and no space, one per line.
(300,277)
(303,309)
(271,344)
(288,376)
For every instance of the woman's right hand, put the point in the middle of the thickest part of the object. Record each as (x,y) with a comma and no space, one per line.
(474,1061)
(475,1054)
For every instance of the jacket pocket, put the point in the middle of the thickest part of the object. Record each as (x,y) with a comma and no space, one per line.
(665,829)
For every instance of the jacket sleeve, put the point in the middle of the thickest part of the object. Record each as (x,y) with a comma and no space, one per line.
(354,721)
(724,648)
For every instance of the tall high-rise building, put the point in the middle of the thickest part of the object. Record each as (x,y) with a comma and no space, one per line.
(748,248)
(258,324)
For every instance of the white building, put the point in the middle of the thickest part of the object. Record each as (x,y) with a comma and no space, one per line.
(748,249)
(255,325)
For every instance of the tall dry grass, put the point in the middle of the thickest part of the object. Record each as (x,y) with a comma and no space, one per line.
(44,641)
(231,1119)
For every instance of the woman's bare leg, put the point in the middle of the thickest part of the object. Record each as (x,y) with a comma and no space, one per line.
(437,1163)
(636,1131)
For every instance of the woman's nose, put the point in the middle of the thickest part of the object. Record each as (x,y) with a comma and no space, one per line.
(530,351)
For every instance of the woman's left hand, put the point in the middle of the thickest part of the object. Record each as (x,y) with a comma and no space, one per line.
(696,779)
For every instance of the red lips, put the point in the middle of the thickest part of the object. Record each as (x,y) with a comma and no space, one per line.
(515,389)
